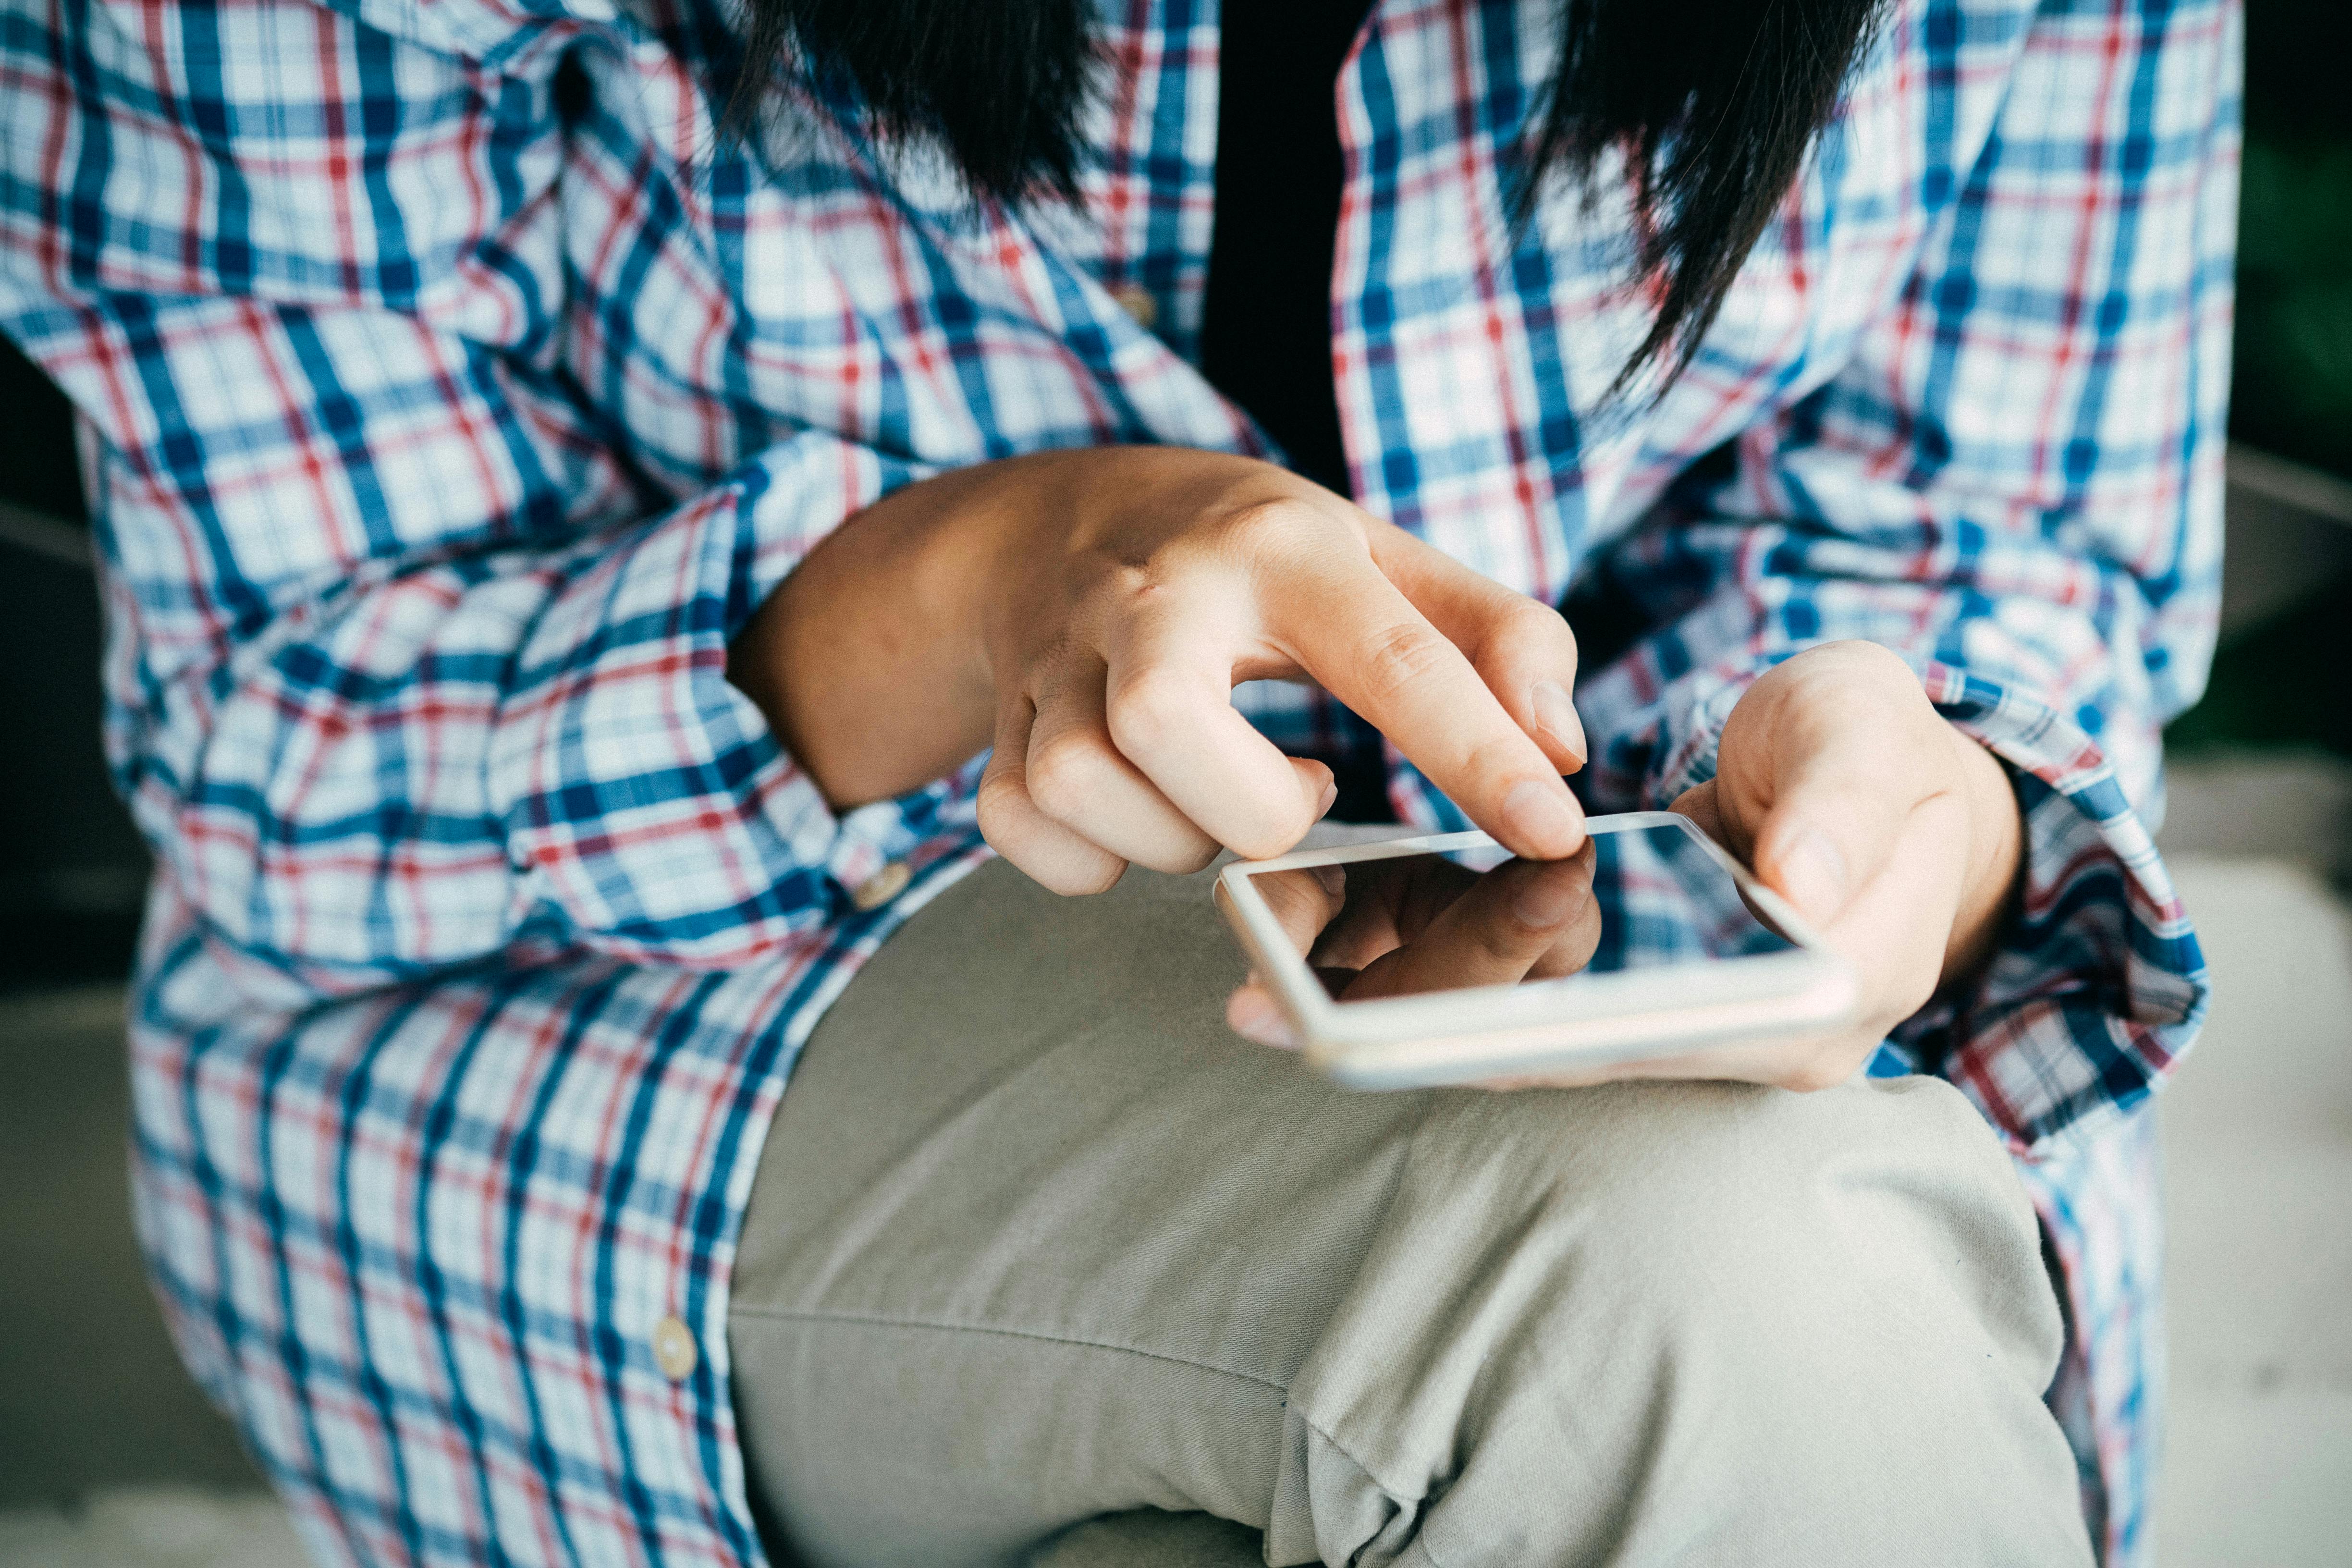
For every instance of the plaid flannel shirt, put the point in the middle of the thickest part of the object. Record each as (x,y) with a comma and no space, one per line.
(451,390)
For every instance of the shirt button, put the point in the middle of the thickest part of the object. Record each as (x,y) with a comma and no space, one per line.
(883,885)
(674,1349)
(1137,301)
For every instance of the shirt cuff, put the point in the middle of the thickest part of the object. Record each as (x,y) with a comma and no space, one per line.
(2097,985)
(647,803)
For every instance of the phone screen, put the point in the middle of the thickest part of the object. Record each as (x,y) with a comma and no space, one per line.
(1643,897)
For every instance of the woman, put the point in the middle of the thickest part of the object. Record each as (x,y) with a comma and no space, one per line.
(580,485)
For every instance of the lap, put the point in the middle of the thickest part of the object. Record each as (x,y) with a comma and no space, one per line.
(1026,1193)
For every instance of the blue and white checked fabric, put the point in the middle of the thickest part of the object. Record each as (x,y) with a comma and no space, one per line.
(452,389)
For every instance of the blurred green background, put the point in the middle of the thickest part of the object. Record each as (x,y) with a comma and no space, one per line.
(2274,682)
(2293,391)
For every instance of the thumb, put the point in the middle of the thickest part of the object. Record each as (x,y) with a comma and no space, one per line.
(1835,817)
(1702,804)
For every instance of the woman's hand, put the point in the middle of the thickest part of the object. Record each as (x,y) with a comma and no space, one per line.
(1089,612)
(1895,835)
(1421,923)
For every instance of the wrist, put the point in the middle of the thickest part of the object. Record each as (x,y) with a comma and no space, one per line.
(1996,859)
(864,659)
(956,555)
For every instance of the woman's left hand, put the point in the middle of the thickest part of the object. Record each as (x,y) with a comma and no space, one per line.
(1894,834)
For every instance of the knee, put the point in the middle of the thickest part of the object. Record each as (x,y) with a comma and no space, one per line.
(1772,1311)
(1750,1168)
(1745,1218)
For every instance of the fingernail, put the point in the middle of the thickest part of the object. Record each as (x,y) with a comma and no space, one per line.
(1556,716)
(1545,901)
(1333,879)
(1330,793)
(1253,1017)
(1542,820)
(1813,873)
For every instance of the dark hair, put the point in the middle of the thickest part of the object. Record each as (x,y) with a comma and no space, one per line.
(1712,103)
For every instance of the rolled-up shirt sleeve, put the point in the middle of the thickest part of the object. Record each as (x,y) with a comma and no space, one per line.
(2016,485)
(410,655)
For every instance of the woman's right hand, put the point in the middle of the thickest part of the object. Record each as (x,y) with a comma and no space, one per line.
(1090,611)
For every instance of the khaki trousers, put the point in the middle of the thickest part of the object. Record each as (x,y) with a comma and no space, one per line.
(1042,1265)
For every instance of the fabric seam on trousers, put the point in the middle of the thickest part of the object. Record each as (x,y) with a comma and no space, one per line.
(789,1314)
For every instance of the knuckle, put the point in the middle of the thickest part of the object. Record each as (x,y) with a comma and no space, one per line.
(1494,759)
(1849,652)
(1297,908)
(1064,774)
(1396,658)
(1266,525)
(1050,856)
(1863,653)
(1148,709)
(1497,945)
(1531,626)
(1845,694)
(1046,664)
(998,804)
(1126,589)
(1856,671)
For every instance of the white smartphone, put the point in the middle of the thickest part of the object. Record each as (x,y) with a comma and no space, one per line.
(1687,951)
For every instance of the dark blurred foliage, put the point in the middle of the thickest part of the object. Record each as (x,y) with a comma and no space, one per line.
(2276,684)
(69,863)
(2272,682)
(37,449)
(2293,384)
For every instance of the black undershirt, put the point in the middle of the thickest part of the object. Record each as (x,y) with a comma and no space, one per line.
(1265,331)
(1265,335)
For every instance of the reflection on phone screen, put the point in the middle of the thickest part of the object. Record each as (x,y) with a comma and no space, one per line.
(1640,899)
